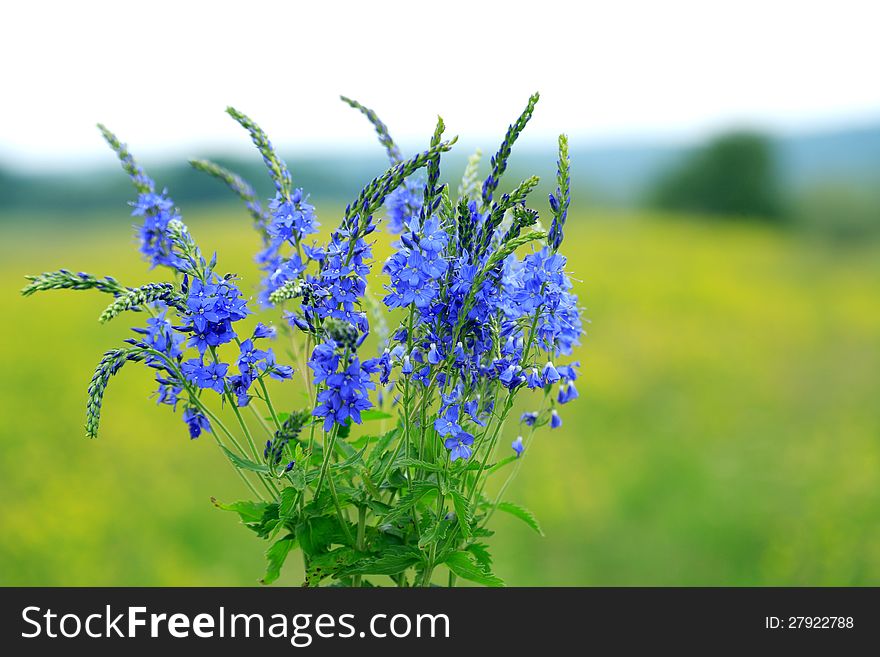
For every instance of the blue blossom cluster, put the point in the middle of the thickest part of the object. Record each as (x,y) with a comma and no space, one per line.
(344,383)
(479,327)
(539,284)
(481,309)
(211,306)
(479,320)
(403,203)
(157,211)
(415,270)
(331,310)
(471,330)
(291,219)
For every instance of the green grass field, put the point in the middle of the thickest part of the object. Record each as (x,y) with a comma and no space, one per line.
(727,433)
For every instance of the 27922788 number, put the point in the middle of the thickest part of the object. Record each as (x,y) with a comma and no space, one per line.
(813,622)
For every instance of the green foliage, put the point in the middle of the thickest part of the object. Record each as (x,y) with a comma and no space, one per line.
(275,557)
(735,175)
(466,566)
(522,513)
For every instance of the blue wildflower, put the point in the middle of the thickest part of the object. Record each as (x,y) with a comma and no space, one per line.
(263,331)
(291,218)
(550,374)
(567,393)
(195,421)
(555,420)
(276,371)
(529,419)
(533,380)
(447,423)
(518,446)
(459,446)
(206,376)
(403,204)
(345,396)
(472,409)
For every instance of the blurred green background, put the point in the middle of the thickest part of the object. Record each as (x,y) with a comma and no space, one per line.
(727,432)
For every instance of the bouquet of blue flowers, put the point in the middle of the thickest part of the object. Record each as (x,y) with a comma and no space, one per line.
(477,308)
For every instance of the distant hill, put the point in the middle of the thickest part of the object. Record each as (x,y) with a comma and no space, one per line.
(606,175)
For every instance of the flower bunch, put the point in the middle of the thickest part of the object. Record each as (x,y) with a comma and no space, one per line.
(482,309)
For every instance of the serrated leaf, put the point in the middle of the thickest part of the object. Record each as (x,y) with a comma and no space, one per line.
(287,505)
(481,554)
(436,534)
(275,557)
(245,464)
(330,564)
(463,513)
(351,460)
(393,560)
(318,533)
(248,511)
(297,479)
(406,461)
(344,449)
(408,501)
(505,461)
(465,566)
(522,513)
(381,446)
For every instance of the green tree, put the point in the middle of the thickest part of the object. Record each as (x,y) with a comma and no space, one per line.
(733,175)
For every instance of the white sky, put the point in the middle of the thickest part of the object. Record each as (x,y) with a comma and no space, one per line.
(161,73)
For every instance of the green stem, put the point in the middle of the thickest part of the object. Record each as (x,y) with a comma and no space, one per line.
(516,466)
(269,403)
(343,522)
(262,422)
(361,533)
(325,465)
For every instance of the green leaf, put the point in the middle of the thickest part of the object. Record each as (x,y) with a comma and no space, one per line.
(463,513)
(381,446)
(249,512)
(330,564)
(408,501)
(394,560)
(259,517)
(374,414)
(436,534)
(351,460)
(275,557)
(316,534)
(481,554)
(362,441)
(344,449)
(297,479)
(522,513)
(464,565)
(245,464)
(405,462)
(505,461)
(287,505)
